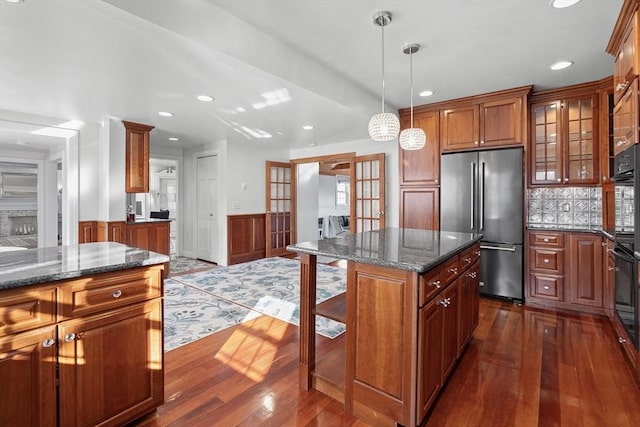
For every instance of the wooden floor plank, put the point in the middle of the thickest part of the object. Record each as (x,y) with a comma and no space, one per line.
(524,367)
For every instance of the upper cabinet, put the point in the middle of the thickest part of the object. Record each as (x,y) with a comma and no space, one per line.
(487,121)
(625,119)
(564,146)
(623,46)
(137,157)
(421,167)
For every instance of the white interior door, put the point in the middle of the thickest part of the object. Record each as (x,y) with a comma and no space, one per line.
(207,206)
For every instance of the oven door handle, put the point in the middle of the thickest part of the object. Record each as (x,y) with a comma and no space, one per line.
(625,257)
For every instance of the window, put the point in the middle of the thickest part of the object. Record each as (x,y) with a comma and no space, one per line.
(342,190)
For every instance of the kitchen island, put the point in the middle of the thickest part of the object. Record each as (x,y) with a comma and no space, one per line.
(81,334)
(410,308)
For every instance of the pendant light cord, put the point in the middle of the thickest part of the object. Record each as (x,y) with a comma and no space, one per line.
(383,67)
(411,82)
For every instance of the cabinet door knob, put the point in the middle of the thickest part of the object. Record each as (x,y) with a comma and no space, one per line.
(70,337)
(546,287)
(436,181)
(546,240)
(481,142)
(610,268)
(558,179)
(546,260)
(566,180)
(117,293)
(48,342)
(619,87)
(621,340)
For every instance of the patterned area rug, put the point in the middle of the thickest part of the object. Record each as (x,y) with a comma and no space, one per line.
(181,265)
(213,299)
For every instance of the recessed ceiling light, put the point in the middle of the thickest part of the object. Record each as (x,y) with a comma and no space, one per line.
(307,127)
(14,1)
(165,114)
(561,4)
(313,144)
(561,65)
(426,93)
(173,138)
(205,98)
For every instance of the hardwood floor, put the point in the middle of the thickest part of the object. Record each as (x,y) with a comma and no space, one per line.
(524,367)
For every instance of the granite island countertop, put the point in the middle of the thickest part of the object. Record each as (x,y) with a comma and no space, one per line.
(401,248)
(40,265)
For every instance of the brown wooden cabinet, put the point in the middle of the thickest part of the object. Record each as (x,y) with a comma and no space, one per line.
(28,373)
(421,167)
(625,119)
(430,355)
(461,128)
(136,157)
(420,207)
(564,146)
(245,238)
(624,46)
(85,351)
(152,236)
(565,271)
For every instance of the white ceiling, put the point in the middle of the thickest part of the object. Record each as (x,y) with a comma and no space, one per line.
(276,65)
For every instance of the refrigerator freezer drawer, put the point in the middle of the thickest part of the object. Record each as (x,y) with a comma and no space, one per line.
(501,270)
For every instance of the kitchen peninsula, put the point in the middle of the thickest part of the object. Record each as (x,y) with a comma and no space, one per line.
(80,334)
(410,308)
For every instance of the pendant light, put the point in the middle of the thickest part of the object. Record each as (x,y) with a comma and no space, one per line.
(383,126)
(412,138)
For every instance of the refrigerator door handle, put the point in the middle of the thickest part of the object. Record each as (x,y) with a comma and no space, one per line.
(497,248)
(472,186)
(481,196)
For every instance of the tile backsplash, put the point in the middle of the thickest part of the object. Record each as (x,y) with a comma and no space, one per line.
(624,208)
(567,206)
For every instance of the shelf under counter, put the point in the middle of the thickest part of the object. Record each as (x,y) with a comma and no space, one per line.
(335,308)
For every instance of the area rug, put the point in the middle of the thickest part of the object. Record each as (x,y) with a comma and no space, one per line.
(271,286)
(182,265)
(191,314)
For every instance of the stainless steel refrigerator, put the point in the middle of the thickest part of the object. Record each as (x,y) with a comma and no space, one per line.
(482,191)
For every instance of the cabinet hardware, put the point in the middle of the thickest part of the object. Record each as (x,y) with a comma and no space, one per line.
(546,287)
(619,87)
(621,340)
(453,270)
(70,337)
(558,179)
(610,268)
(436,284)
(545,240)
(546,260)
(48,342)
(467,260)
(117,293)
(566,180)
(481,142)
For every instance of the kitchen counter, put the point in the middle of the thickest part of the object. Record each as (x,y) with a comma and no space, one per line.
(148,220)
(606,232)
(400,248)
(408,292)
(33,266)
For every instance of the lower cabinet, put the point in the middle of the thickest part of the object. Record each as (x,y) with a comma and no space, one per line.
(565,271)
(92,352)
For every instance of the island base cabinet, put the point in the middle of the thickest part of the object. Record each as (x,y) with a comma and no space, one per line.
(430,355)
(110,366)
(28,378)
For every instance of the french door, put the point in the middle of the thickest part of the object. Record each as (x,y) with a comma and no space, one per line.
(281,202)
(367,193)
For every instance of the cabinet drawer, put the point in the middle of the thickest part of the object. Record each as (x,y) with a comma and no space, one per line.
(22,309)
(550,239)
(111,290)
(469,256)
(449,270)
(549,287)
(430,285)
(547,260)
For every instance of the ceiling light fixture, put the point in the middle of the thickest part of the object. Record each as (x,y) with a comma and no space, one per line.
(205,98)
(383,126)
(412,138)
(165,114)
(561,65)
(561,4)
(14,1)
(173,138)
(426,93)
(307,127)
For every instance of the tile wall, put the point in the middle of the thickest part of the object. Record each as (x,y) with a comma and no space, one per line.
(624,208)
(575,207)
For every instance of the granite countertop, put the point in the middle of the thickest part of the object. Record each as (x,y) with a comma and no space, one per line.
(40,265)
(148,220)
(609,233)
(401,248)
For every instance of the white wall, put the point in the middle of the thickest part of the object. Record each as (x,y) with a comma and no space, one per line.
(90,168)
(307,201)
(362,147)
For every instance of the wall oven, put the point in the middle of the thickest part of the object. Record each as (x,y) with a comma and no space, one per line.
(627,182)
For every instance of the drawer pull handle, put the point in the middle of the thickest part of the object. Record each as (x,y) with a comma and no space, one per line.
(453,270)
(117,293)
(546,287)
(436,284)
(546,240)
(48,342)
(70,337)
(467,260)
(610,268)
(621,340)
(546,260)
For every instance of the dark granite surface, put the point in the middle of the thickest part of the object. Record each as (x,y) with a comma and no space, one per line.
(148,220)
(606,232)
(33,266)
(401,248)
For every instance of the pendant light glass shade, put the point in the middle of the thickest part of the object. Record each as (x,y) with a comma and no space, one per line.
(412,138)
(383,126)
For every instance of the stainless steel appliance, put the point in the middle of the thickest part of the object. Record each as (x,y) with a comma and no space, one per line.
(626,295)
(483,191)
